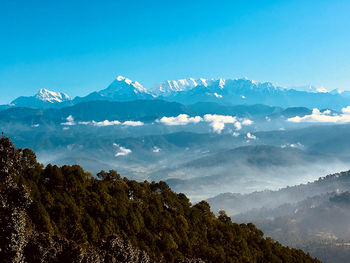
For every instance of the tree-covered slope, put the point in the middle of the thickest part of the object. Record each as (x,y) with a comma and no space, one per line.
(64,214)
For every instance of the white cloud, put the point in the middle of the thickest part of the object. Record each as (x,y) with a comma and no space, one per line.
(251,136)
(324,117)
(111,123)
(133,123)
(105,123)
(69,121)
(217,95)
(121,151)
(346,110)
(217,122)
(247,122)
(182,119)
(156,149)
(235,134)
(238,125)
(35,125)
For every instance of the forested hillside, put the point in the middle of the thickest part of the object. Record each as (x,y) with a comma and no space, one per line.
(64,214)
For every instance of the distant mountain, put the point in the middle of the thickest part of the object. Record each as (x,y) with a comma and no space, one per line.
(121,89)
(235,204)
(43,99)
(310,88)
(313,217)
(245,91)
(190,91)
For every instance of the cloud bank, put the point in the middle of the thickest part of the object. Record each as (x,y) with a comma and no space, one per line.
(217,122)
(70,122)
(182,119)
(324,117)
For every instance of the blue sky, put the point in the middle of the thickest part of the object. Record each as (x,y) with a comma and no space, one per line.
(81,46)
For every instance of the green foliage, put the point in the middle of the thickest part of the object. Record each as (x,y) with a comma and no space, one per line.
(69,202)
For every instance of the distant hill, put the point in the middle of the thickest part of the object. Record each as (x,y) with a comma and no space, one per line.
(238,203)
(313,216)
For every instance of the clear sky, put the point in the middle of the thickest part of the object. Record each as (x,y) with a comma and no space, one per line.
(81,46)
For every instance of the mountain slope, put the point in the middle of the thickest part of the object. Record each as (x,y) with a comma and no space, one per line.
(68,207)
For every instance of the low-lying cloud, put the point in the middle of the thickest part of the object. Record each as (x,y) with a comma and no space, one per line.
(121,151)
(156,149)
(324,117)
(251,136)
(132,123)
(103,123)
(70,122)
(182,119)
(217,122)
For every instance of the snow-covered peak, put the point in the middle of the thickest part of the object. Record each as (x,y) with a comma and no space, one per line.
(222,83)
(171,86)
(52,96)
(123,84)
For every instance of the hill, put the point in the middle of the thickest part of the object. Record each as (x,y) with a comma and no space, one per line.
(64,214)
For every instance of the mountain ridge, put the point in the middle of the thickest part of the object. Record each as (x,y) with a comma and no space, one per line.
(189,91)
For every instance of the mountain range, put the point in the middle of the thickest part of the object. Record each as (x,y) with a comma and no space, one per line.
(205,137)
(190,91)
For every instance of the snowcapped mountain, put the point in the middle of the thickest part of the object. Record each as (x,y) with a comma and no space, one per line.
(43,99)
(189,91)
(51,96)
(237,91)
(172,86)
(245,91)
(121,89)
(122,86)
(311,88)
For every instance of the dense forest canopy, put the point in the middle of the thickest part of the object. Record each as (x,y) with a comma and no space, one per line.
(70,203)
